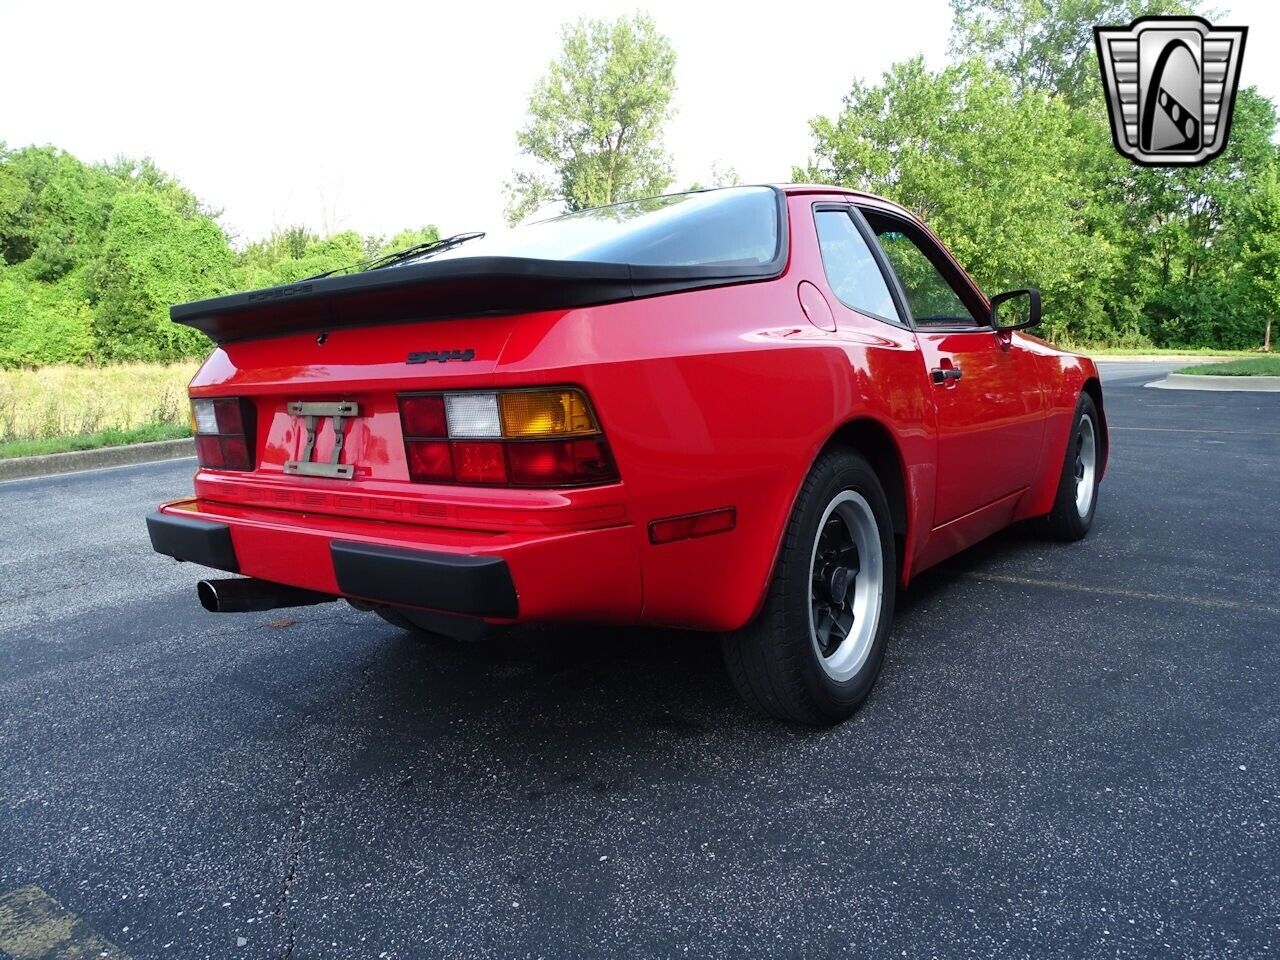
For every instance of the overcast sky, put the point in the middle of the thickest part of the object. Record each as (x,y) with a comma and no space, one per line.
(390,115)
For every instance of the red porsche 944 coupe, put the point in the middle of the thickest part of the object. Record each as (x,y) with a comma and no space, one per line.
(756,410)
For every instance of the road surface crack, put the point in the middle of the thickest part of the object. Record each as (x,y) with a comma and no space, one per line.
(296,838)
(294,841)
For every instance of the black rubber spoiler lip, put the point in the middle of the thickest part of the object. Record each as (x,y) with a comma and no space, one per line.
(436,289)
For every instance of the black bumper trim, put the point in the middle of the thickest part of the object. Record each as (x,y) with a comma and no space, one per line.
(475,586)
(205,542)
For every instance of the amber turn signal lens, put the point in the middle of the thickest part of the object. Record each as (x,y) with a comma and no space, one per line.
(546,413)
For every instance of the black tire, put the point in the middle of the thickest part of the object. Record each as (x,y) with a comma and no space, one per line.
(422,624)
(398,618)
(774,661)
(1066,521)
(401,619)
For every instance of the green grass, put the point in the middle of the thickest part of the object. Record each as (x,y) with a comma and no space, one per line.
(69,401)
(91,441)
(1249,367)
(1161,352)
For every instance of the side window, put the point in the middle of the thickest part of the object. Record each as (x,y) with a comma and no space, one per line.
(932,299)
(851,268)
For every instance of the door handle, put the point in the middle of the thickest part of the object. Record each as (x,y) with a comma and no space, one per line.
(943,374)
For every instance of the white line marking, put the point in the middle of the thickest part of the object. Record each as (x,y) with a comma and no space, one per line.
(1232,433)
(1209,602)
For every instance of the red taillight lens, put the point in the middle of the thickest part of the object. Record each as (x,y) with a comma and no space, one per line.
(430,461)
(540,437)
(224,433)
(551,463)
(423,416)
(235,454)
(209,451)
(229,417)
(479,463)
(693,525)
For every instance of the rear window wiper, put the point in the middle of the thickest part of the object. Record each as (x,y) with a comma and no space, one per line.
(421,249)
(409,253)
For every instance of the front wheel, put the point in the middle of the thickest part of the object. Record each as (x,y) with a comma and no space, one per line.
(1077,497)
(815,650)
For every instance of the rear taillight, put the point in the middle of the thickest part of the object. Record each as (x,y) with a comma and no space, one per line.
(517,438)
(224,433)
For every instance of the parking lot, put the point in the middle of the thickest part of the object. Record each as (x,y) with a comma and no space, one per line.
(1073,750)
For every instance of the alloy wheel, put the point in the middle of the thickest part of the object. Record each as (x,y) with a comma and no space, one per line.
(846,575)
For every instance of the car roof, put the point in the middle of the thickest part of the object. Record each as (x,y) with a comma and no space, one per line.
(823,188)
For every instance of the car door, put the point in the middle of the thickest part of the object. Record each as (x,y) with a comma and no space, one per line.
(985,385)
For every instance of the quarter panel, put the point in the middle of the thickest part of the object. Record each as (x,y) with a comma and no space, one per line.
(1063,375)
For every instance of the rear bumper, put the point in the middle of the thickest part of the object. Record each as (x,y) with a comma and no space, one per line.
(475,586)
(579,575)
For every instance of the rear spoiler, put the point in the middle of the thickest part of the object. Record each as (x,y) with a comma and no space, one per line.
(436,289)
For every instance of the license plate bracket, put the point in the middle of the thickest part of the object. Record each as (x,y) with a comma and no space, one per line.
(312,412)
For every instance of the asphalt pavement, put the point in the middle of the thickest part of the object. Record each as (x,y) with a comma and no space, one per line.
(1073,750)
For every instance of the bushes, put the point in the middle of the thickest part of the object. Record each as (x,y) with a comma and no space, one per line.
(153,257)
(92,257)
(43,322)
(295,254)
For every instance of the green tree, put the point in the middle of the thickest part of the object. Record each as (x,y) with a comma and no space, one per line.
(296,253)
(1258,275)
(1008,155)
(93,255)
(990,170)
(408,238)
(718,176)
(596,119)
(143,174)
(53,210)
(1046,44)
(1191,227)
(152,257)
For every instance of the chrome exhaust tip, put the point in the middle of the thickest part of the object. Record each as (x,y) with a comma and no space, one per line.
(246,595)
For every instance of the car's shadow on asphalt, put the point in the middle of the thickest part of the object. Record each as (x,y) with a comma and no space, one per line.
(1000,548)
(565,685)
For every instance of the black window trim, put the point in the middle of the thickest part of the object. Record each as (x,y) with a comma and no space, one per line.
(946,270)
(886,272)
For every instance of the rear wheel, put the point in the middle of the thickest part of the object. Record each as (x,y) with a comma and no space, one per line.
(815,650)
(1077,497)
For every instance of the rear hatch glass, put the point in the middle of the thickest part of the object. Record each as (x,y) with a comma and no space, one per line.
(736,226)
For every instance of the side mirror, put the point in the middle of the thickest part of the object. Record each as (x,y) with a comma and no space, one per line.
(1015,309)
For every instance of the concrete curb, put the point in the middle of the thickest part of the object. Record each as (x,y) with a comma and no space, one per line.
(19,467)
(1202,381)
